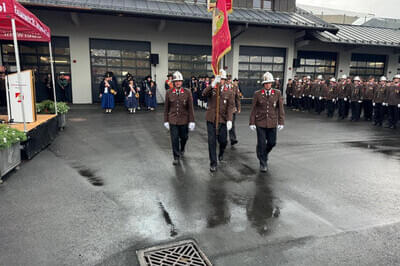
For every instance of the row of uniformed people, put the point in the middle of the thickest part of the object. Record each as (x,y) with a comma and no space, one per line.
(374,99)
(135,97)
(266,116)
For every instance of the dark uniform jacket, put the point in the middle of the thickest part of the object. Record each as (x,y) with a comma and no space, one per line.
(330,92)
(368,92)
(178,108)
(393,95)
(298,91)
(226,104)
(289,89)
(315,87)
(102,87)
(356,93)
(380,94)
(236,93)
(267,109)
(307,90)
(344,91)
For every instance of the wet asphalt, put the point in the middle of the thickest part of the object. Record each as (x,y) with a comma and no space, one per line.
(106,187)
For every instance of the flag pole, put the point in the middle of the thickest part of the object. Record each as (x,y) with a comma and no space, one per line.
(217,108)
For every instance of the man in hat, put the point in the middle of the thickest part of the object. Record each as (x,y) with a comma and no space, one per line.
(267,115)
(237,109)
(378,101)
(178,116)
(331,96)
(393,102)
(344,92)
(298,95)
(225,116)
(368,96)
(307,94)
(356,99)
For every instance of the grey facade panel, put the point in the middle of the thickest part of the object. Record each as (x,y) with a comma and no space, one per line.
(190,11)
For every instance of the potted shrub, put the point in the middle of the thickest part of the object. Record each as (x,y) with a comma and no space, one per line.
(10,155)
(47,107)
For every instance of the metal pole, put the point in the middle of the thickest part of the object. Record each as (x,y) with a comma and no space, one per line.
(14,29)
(52,76)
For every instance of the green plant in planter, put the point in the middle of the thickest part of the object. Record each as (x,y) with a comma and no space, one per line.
(47,107)
(10,136)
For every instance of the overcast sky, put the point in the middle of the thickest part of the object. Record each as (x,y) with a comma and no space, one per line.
(381,8)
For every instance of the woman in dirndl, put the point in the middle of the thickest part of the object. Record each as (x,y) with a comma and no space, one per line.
(132,94)
(107,93)
(151,96)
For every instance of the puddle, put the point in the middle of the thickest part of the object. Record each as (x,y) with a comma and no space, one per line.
(168,220)
(91,177)
(388,147)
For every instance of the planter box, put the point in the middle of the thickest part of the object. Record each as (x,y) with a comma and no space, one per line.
(62,120)
(9,159)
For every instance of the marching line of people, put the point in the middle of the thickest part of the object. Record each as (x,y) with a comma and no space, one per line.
(267,116)
(135,97)
(375,100)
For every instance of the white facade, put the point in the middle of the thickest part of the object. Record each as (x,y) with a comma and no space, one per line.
(81,27)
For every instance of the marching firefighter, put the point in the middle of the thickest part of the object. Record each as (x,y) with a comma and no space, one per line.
(267,116)
(218,124)
(178,116)
(393,102)
(356,99)
(378,101)
(237,109)
(368,96)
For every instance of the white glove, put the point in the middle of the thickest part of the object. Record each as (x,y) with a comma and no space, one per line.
(345,99)
(229,125)
(359,101)
(320,98)
(216,81)
(303,95)
(280,127)
(313,97)
(192,125)
(384,104)
(373,104)
(166,125)
(309,96)
(253,127)
(333,100)
(398,106)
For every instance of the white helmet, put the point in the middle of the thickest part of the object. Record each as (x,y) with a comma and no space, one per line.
(308,77)
(222,73)
(344,77)
(397,76)
(357,78)
(332,80)
(268,78)
(383,78)
(320,77)
(177,76)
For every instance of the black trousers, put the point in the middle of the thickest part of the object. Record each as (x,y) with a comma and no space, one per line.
(393,111)
(341,108)
(378,113)
(266,140)
(330,107)
(222,139)
(355,111)
(307,103)
(179,137)
(368,108)
(289,100)
(232,133)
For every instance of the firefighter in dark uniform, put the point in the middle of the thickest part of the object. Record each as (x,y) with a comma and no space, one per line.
(267,116)
(368,96)
(289,93)
(237,94)
(330,97)
(225,116)
(378,101)
(393,102)
(307,94)
(178,116)
(356,99)
(344,92)
(298,95)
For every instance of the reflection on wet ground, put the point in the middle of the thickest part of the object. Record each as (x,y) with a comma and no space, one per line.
(388,147)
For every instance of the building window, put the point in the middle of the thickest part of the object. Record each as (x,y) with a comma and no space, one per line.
(190,60)
(119,57)
(367,65)
(316,63)
(257,3)
(254,62)
(267,4)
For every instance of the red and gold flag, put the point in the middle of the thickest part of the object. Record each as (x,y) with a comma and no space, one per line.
(221,35)
(211,4)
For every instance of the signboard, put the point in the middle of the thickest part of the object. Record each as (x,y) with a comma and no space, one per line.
(15,98)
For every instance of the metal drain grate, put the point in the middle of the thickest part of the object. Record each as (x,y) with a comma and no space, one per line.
(181,253)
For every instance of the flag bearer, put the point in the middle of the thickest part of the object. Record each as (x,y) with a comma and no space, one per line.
(178,116)
(224,117)
(267,115)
